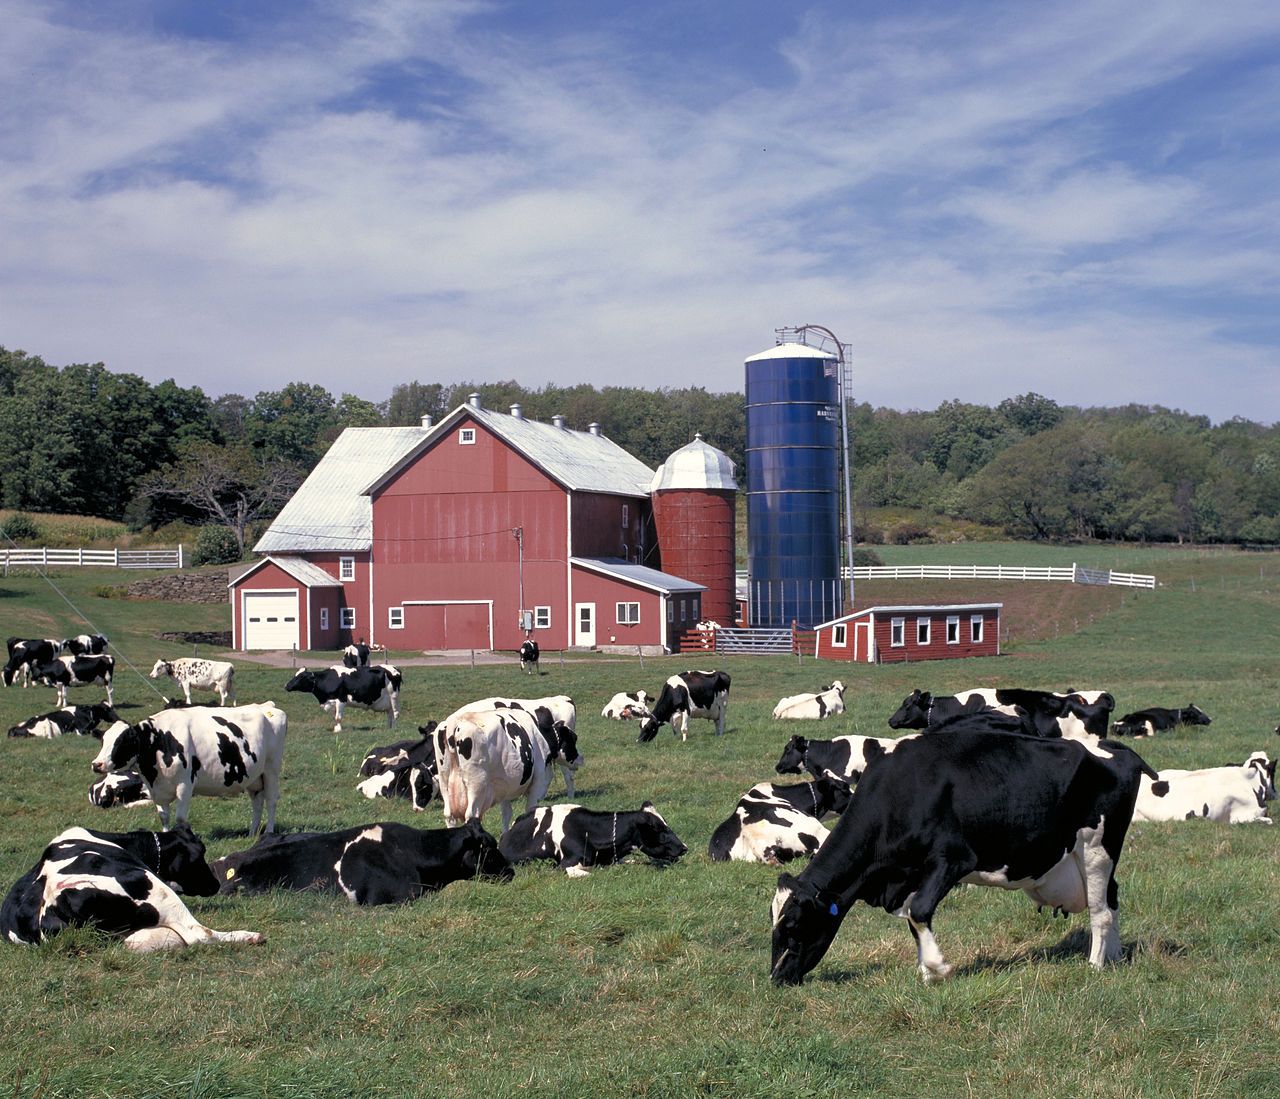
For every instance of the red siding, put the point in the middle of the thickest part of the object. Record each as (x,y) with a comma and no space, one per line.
(937,647)
(606,593)
(310,601)
(696,531)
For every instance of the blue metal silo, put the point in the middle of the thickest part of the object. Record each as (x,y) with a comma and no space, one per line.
(793,495)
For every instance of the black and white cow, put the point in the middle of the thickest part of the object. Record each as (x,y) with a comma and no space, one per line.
(1158,720)
(375,688)
(123,883)
(356,656)
(207,750)
(492,757)
(78,720)
(64,672)
(774,823)
(206,675)
(1231,795)
(85,644)
(1045,713)
(825,703)
(384,863)
(25,655)
(842,758)
(546,711)
(577,839)
(929,816)
(119,788)
(628,704)
(401,752)
(529,656)
(406,769)
(690,694)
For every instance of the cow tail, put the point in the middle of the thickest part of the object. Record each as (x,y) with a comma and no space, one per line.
(453,791)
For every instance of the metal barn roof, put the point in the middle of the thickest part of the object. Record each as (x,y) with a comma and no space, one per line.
(312,576)
(640,575)
(698,465)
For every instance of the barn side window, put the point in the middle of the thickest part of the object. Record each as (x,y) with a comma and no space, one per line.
(467,436)
(897,632)
(671,610)
(975,628)
(542,618)
(628,614)
(953,629)
(348,618)
(839,636)
(626,511)
(346,568)
(922,631)
(395,618)
(324,618)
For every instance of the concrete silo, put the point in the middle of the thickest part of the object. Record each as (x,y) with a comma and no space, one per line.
(793,486)
(694,495)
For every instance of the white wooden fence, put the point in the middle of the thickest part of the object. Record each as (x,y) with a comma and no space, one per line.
(1073,575)
(122,559)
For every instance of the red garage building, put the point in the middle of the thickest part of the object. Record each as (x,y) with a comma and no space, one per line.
(882,635)
(473,533)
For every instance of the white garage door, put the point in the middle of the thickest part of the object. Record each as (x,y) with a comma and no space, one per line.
(271,620)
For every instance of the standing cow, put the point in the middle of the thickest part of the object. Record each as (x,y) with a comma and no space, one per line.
(689,694)
(375,688)
(207,675)
(546,711)
(64,672)
(25,655)
(529,654)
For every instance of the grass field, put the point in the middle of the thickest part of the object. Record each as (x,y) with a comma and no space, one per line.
(641,981)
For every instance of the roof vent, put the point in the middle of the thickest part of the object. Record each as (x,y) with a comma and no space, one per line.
(516,412)
(594,429)
(426,419)
(474,400)
(557,421)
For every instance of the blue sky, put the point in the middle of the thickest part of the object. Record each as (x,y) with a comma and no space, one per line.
(982,199)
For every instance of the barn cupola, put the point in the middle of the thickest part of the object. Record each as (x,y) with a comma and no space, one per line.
(474,400)
(517,412)
(558,421)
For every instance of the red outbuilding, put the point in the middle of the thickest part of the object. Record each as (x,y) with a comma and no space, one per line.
(882,635)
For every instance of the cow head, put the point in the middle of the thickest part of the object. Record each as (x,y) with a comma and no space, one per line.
(480,854)
(914,711)
(120,745)
(792,759)
(1266,770)
(1193,715)
(832,796)
(804,923)
(182,862)
(655,837)
(568,740)
(123,788)
(161,667)
(303,680)
(649,729)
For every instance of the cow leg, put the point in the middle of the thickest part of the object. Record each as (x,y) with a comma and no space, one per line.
(506,814)
(1102,895)
(186,691)
(337,715)
(935,883)
(568,780)
(270,795)
(930,963)
(178,928)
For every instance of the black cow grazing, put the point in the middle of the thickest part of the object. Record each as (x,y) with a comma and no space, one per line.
(1158,720)
(406,769)
(1047,816)
(529,657)
(120,788)
(372,864)
(690,694)
(116,882)
(577,839)
(79,720)
(85,644)
(356,656)
(375,688)
(25,654)
(842,758)
(64,672)
(774,823)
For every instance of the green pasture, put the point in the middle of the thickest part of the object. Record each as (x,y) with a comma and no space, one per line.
(648,981)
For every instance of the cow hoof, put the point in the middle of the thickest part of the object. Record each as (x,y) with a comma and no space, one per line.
(938,974)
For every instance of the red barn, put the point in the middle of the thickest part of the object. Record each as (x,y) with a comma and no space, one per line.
(475,533)
(882,635)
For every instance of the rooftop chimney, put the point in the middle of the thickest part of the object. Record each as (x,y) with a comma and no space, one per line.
(594,429)
(474,400)
(426,419)
(557,421)
(516,411)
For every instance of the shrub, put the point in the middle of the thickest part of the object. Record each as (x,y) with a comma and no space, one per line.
(19,528)
(906,533)
(863,557)
(215,546)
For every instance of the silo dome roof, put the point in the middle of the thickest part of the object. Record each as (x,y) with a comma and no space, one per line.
(697,465)
(793,351)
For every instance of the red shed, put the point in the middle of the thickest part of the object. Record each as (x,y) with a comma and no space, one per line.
(286,602)
(883,635)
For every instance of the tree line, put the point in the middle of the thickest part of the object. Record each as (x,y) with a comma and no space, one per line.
(83,440)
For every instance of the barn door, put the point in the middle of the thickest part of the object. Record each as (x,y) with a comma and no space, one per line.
(862,642)
(584,632)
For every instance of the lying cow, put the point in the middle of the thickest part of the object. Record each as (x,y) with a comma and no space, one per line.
(828,701)
(928,816)
(689,694)
(206,675)
(85,644)
(120,788)
(1044,713)
(116,882)
(628,704)
(1231,795)
(78,720)
(204,750)
(375,688)
(773,823)
(577,839)
(371,864)
(64,672)
(25,655)
(1158,720)
(546,711)
(529,654)
(842,758)
(495,756)
(406,769)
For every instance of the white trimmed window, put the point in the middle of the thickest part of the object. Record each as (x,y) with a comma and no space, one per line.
(395,618)
(346,568)
(953,629)
(975,628)
(671,610)
(922,631)
(840,636)
(542,618)
(626,512)
(628,614)
(347,619)
(897,632)
(467,436)
(324,618)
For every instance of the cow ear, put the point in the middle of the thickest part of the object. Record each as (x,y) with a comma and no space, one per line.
(647,805)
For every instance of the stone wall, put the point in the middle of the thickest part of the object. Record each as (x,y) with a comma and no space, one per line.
(188,586)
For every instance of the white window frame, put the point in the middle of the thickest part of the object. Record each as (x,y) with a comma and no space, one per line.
(953,629)
(975,628)
(628,614)
(466,436)
(346,568)
(542,618)
(897,633)
(840,636)
(324,618)
(395,618)
(671,611)
(924,631)
(347,618)
(626,514)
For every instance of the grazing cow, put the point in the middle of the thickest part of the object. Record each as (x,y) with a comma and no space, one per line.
(1232,795)
(64,672)
(529,656)
(85,644)
(207,675)
(690,694)
(774,823)
(25,655)
(842,758)
(1046,816)
(828,701)
(356,656)
(576,839)
(628,704)
(204,750)
(371,864)
(82,720)
(1158,720)
(375,688)
(406,769)
(547,711)
(123,883)
(123,788)
(496,756)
